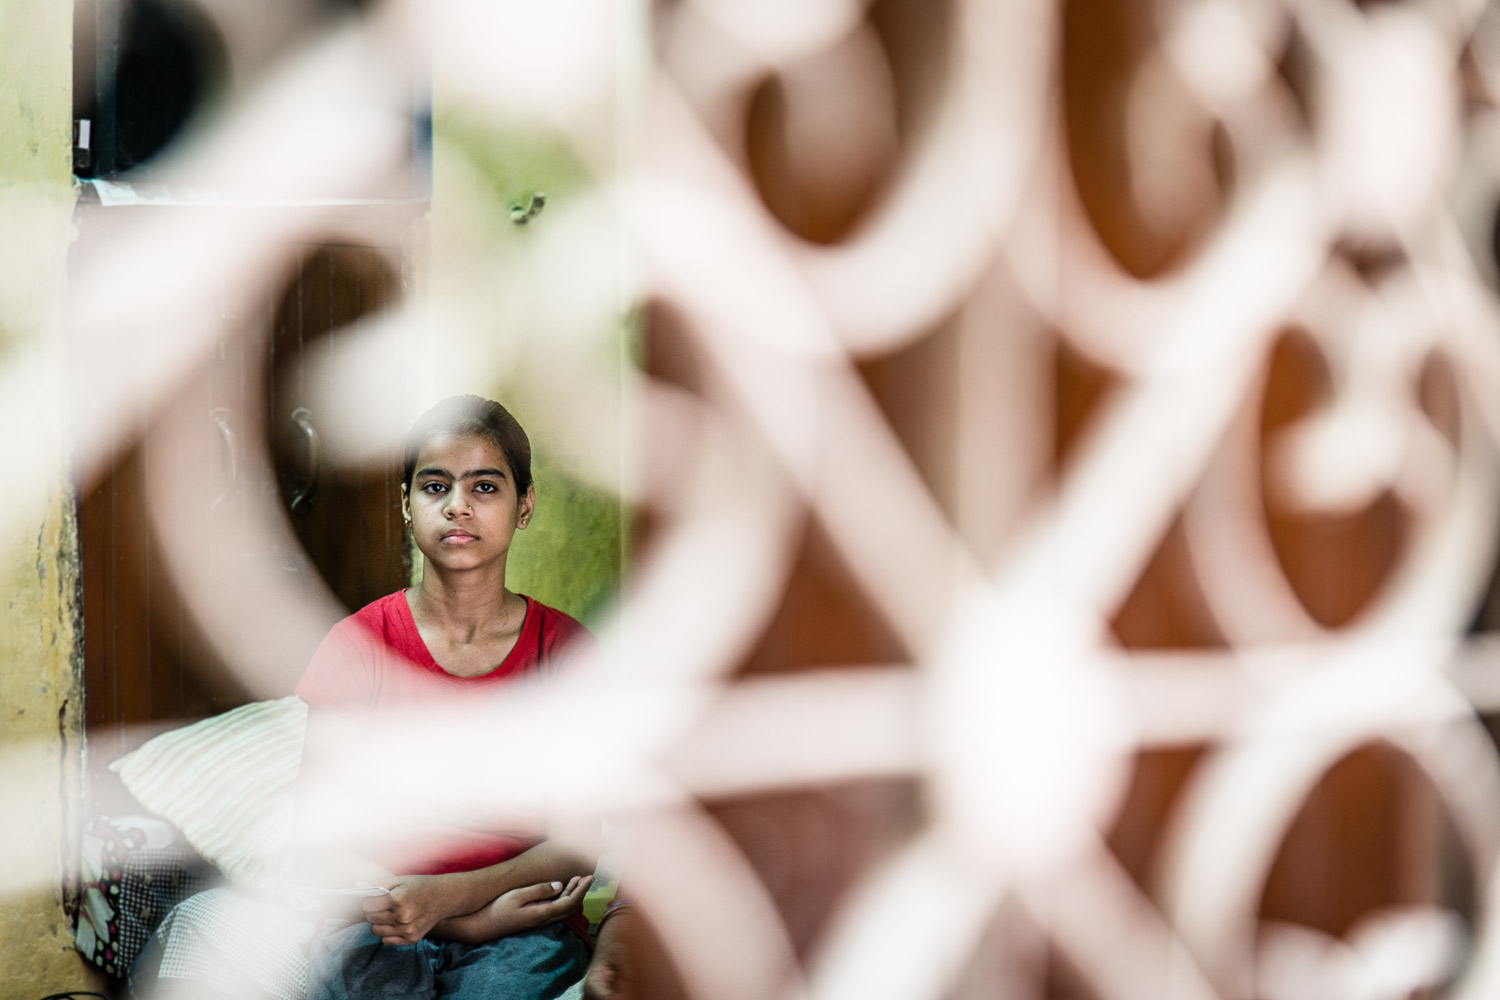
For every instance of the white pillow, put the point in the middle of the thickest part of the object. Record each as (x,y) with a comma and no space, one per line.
(228,783)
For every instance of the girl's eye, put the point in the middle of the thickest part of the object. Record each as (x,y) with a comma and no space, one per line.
(433,488)
(485,488)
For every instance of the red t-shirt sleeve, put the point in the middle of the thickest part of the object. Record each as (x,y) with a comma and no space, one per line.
(342,674)
(562,637)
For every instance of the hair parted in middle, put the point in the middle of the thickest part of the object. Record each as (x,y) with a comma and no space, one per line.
(463,415)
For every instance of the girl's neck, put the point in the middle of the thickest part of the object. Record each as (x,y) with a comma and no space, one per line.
(464,600)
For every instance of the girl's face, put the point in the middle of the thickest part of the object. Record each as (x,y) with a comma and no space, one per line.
(462,502)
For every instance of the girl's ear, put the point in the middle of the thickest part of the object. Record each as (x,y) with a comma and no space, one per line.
(527,507)
(405,505)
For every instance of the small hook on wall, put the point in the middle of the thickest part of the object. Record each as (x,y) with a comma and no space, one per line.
(525,210)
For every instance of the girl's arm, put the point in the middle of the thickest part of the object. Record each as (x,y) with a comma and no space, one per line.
(417,903)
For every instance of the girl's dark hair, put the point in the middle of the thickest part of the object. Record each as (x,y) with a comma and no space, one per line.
(471,415)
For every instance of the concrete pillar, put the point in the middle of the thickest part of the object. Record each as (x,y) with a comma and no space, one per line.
(41,693)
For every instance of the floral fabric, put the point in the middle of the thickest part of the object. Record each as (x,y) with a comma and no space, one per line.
(134,870)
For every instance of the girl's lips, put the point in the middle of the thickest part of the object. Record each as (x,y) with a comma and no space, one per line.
(457,537)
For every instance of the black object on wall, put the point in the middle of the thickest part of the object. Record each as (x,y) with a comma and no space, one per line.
(141,70)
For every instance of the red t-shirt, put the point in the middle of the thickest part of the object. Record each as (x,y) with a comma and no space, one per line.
(354,670)
(376,658)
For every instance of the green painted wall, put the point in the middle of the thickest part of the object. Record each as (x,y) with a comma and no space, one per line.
(485,174)
(40,682)
(569,555)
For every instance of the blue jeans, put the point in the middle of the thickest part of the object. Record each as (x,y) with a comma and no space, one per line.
(352,964)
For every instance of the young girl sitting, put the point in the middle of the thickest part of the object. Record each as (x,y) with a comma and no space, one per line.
(476,907)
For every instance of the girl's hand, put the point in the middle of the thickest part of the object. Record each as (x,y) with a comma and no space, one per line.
(523,909)
(415,905)
(533,906)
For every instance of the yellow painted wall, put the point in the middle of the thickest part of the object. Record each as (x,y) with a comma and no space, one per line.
(40,686)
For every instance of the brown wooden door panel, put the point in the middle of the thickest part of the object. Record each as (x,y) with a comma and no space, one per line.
(347,519)
(225,449)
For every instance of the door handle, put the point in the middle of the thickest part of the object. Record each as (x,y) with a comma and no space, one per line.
(302,498)
(219,417)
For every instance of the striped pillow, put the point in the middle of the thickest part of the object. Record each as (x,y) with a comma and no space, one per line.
(228,784)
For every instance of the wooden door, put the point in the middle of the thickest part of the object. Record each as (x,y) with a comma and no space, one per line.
(347,520)
(239,441)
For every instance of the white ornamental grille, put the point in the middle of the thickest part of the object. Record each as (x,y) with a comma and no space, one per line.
(872,231)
